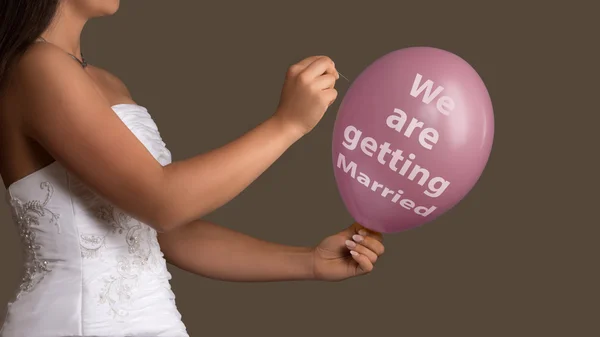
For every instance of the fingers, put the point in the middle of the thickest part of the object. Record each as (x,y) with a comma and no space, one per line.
(369,243)
(318,71)
(330,95)
(318,67)
(357,228)
(297,68)
(353,246)
(371,234)
(364,265)
(307,61)
(326,81)
(365,246)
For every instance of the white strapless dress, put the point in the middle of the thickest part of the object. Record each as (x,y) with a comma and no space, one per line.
(90,269)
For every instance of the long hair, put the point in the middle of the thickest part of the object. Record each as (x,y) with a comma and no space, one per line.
(21,22)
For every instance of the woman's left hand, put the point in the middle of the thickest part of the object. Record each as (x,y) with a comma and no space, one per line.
(350,253)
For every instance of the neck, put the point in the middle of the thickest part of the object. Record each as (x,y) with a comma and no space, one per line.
(65,30)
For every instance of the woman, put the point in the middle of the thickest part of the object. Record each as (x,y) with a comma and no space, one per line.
(93,189)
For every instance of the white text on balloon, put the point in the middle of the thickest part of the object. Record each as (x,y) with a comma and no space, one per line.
(396,196)
(398,120)
(444,104)
(368,145)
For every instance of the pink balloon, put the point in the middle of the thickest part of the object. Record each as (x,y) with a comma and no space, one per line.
(412,137)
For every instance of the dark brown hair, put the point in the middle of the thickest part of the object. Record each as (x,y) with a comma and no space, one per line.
(21,22)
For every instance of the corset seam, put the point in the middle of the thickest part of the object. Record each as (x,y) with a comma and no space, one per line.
(80,260)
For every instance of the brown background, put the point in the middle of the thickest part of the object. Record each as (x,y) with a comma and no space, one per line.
(518,257)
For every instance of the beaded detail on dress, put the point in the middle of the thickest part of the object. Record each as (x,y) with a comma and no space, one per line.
(90,269)
(25,216)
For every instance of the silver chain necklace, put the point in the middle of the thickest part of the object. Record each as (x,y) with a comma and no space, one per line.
(83,62)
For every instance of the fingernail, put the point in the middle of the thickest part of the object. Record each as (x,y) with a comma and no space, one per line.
(357,238)
(350,244)
(362,232)
(353,253)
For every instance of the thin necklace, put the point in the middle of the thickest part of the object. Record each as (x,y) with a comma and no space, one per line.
(83,62)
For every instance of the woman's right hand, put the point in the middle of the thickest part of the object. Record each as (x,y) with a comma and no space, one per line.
(307,92)
(75,124)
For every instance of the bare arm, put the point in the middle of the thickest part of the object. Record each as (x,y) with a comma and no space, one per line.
(76,125)
(207,181)
(216,252)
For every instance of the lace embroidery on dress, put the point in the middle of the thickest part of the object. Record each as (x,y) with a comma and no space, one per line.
(143,256)
(27,216)
(90,244)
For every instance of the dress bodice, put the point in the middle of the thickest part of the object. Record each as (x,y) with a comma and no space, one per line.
(90,268)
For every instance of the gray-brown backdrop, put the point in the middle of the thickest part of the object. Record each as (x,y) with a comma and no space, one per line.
(518,257)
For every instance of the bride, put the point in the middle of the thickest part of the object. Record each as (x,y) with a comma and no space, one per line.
(100,206)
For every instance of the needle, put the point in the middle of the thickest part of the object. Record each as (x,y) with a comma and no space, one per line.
(346,78)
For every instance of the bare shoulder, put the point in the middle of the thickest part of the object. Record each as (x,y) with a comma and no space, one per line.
(48,85)
(36,75)
(46,78)
(44,62)
(39,63)
(43,69)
